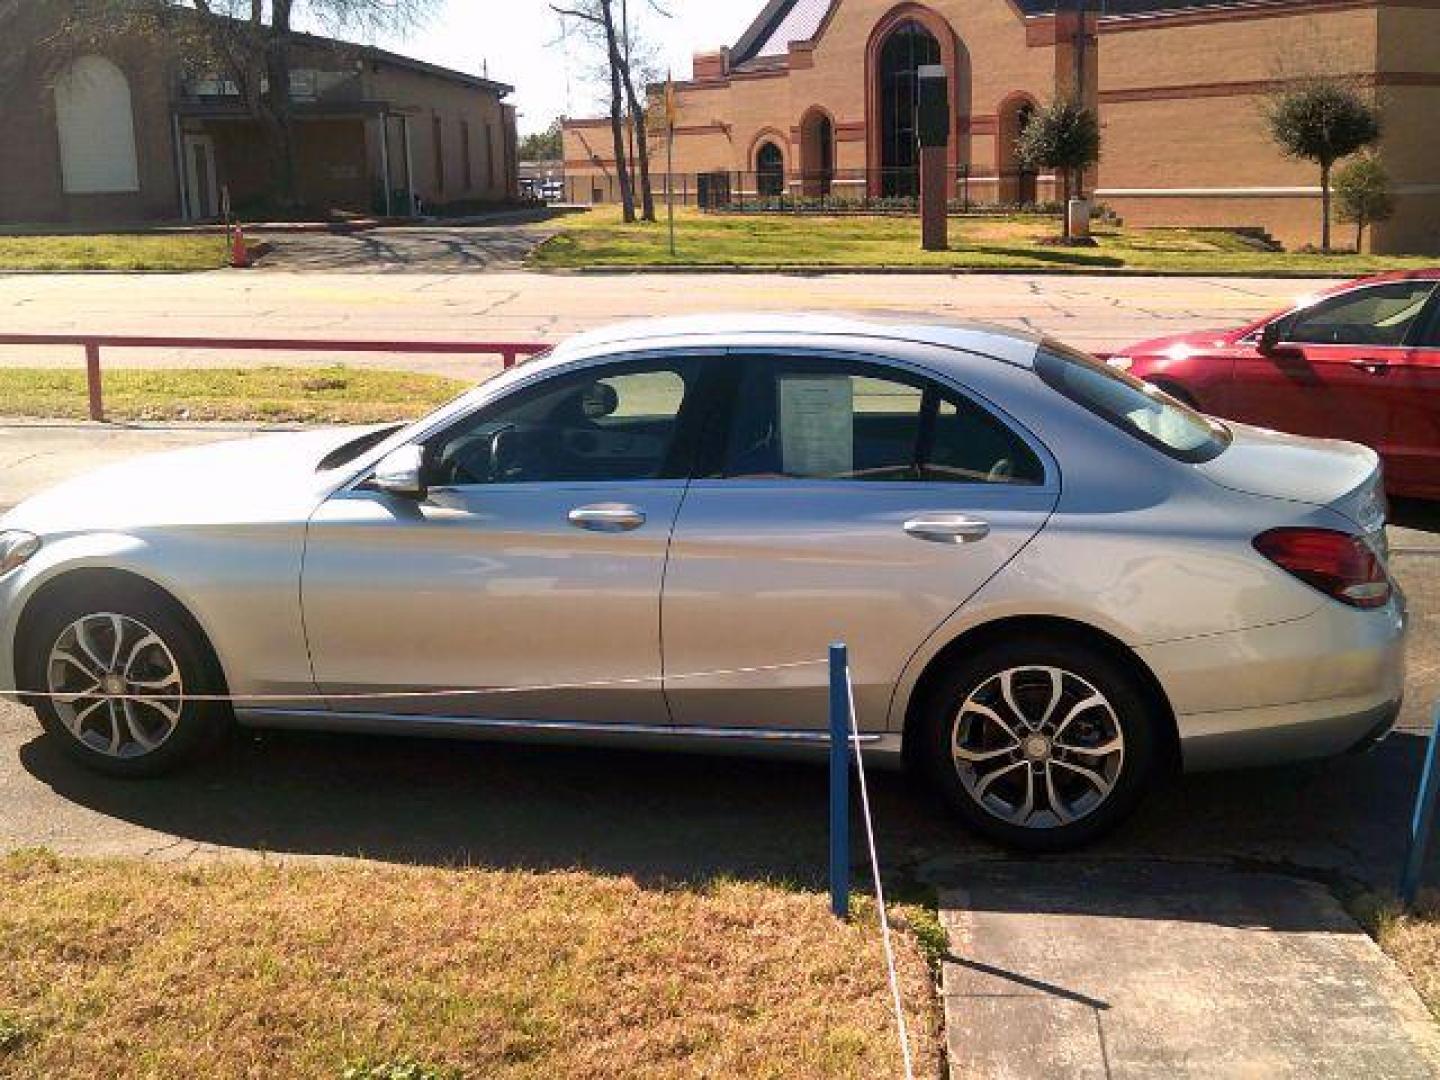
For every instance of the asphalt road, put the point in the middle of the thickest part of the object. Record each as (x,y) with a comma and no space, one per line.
(1093,312)
(658,816)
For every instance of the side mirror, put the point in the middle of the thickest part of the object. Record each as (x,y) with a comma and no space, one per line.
(1271,337)
(402,472)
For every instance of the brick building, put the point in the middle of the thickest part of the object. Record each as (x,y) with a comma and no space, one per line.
(817,99)
(124,134)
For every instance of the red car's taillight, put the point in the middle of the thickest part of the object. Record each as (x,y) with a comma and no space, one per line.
(1340,565)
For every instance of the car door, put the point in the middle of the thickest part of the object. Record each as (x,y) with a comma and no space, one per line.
(1329,374)
(534,560)
(1412,445)
(850,499)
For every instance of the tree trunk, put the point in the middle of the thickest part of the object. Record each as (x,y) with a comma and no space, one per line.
(617,113)
(642,148)
(281,126)
(1325,207)
(1359,234)
(1065,188)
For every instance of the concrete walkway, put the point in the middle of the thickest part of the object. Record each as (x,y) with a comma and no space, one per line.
(1061,970)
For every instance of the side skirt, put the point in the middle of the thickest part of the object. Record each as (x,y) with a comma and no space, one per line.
(882,749)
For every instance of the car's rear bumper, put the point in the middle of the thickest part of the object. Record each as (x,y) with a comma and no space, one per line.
(1312,688)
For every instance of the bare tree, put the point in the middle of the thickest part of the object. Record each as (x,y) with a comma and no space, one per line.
(250,42)
(597,19)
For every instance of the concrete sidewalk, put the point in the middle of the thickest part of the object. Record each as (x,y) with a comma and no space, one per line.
(1060,970)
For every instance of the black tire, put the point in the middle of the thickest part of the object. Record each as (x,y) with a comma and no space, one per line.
(1130,711)
(199,724)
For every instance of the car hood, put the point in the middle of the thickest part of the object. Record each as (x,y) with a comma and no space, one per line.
(1180,345)
(1344,476)
(265,478)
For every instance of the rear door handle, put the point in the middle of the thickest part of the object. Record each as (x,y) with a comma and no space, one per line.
(607,517)
(1371,366)
(948,528)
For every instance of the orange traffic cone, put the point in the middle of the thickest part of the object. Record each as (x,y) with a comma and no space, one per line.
(239,253)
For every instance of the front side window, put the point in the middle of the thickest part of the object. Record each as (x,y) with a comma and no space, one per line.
(802,419)
(614,423)
(1142,410)
(1381,315)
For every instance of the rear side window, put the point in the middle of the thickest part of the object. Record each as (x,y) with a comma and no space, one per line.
(821,419)
(1144,411)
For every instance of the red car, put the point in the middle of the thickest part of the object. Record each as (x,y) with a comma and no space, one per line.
(1358,362)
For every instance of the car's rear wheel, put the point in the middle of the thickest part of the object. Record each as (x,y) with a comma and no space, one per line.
(117,674)
(1040,744)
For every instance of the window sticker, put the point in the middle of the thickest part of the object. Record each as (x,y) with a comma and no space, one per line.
(817,425)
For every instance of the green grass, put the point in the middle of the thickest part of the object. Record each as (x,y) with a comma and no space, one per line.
(117,251)
(130,970)
(270,394)
(600,239)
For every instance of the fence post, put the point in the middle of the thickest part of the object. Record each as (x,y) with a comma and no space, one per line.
(839,782)
(1423,821)
(92,380)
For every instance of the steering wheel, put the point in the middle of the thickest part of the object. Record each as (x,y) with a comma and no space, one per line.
(1002,472)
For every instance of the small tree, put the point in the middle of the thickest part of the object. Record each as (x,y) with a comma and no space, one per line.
(1363,194)
(1063,136)
(547,145)
(1322,120)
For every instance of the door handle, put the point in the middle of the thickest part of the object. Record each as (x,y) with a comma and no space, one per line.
(1371,366)
(948,529)
(607,517)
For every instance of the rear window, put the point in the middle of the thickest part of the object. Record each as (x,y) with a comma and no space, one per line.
(1144,411)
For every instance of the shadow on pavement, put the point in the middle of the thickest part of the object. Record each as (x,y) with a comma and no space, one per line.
(662,818)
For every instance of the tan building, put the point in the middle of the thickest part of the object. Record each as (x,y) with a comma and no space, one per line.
(120,134)
(817,98)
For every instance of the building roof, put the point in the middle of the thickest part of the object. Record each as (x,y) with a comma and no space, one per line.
(784,21)
(384,56)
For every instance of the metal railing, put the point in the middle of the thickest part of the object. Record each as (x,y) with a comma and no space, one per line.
(510,352)
(869,191)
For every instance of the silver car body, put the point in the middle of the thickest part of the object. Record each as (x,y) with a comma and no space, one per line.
(311,585)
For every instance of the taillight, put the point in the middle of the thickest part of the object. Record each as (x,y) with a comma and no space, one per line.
(1340,565)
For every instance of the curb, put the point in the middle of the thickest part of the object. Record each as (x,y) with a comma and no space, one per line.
(942,271)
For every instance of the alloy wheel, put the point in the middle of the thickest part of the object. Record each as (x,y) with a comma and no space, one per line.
(115,685)
(1038,747)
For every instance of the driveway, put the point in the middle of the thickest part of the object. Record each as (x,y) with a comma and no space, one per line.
(500,242)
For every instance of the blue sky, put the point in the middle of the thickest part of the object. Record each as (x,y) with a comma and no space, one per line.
(516,39)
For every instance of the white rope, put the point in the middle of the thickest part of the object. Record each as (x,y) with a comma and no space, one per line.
(403,695)
(899,1006)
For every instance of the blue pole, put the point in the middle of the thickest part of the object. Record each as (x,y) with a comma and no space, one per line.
(839,782)
(1424,819)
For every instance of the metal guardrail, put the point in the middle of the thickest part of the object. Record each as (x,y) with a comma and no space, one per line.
(510,352)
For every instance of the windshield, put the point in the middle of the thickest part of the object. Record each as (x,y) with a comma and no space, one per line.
(1143,410)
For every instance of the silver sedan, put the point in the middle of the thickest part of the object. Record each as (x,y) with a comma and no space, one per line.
(1056,583)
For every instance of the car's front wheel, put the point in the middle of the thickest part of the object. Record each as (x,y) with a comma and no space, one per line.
(117,675)
(1040,744)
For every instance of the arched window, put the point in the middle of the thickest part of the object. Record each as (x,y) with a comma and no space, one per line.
(908,48)
(817,153)
(769,170)
(96,128)
(1017,179)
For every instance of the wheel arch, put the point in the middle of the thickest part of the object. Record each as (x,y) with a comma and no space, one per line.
(985,634)
(100,581)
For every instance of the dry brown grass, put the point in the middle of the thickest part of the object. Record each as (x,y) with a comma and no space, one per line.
(1411,938)
(131,969)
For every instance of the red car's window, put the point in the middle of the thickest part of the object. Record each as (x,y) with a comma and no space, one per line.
(1142,410)
(1376,315)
